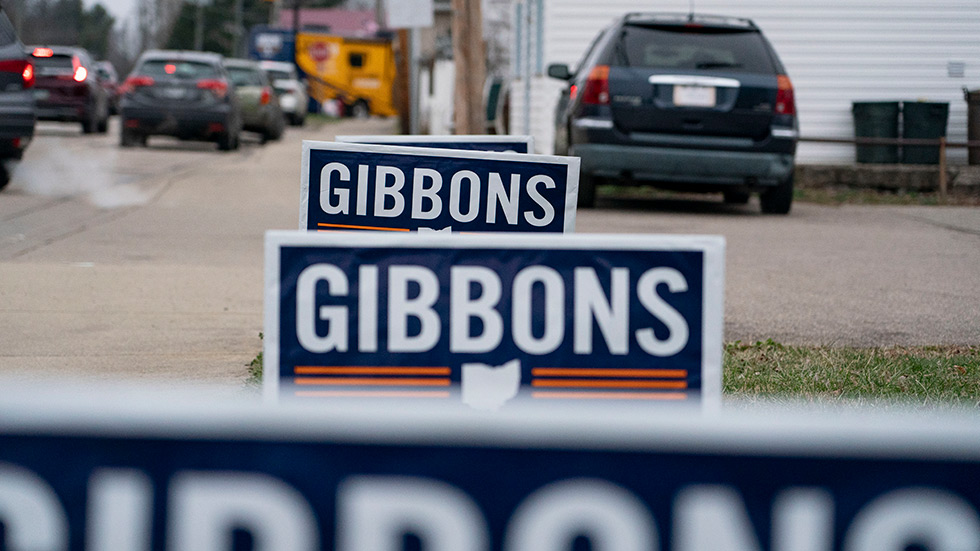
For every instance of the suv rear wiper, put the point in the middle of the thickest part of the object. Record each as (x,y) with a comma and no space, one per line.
(717,65)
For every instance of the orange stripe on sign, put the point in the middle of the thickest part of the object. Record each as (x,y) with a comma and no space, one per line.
(360,381)
(350,227)
(369,370)
(610,395)
(596,372)
(372,394)
(598,383)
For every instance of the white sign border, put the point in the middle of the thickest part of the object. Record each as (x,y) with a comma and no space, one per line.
(713,281)
(396,139)
(571,164)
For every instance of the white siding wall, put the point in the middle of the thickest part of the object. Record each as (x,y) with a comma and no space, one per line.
(836,52)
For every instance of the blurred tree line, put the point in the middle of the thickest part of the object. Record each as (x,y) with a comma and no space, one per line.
(63,22)
(171,24)
(218,25)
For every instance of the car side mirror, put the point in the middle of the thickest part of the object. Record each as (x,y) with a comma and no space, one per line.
(559,71)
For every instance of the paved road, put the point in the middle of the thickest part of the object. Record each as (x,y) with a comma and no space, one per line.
(147,263)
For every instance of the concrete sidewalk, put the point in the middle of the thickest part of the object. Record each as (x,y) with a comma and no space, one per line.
(169,290)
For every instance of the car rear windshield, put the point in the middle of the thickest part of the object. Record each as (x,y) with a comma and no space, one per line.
(7,34)
(275,74)
(55,64)
(245,76)
(178,68)
(694,48)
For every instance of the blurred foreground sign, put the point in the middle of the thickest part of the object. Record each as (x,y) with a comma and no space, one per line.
(81,472)
(482,318)
(480,142)
(348,186)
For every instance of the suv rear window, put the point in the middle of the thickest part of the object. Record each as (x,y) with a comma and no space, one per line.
(7,34)
(179,69)
(57,64)
(245,76)
(694,48)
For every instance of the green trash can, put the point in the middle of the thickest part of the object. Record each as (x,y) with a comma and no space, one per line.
(876,119)
(922,120)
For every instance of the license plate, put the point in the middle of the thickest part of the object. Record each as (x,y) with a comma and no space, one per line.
(41,95)
(172,93)
(694,96)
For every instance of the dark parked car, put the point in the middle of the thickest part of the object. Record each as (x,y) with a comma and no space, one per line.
(16,97)
(188,95)
(68,87)
(681,101)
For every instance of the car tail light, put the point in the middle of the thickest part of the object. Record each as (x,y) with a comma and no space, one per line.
(22,66)
(785,99)
(216,86)
(266,96)
(28,75)
(79,73)
(135,82)
(596,88)
(42,52)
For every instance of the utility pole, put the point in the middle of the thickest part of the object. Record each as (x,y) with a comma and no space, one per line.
(469,115)
(199,27)
(237,50)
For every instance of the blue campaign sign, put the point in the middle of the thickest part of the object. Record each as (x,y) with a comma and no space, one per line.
(83,470)
(349,186)
(484,318)
(470,142)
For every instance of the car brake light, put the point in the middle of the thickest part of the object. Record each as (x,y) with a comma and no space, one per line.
(215,85)
(43,52)
(134,82)
(785,99)
(24,67)
(28,75)
(266,96)
(596,89)
(80,74)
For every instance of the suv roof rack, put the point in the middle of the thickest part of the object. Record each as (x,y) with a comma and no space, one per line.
(690,18)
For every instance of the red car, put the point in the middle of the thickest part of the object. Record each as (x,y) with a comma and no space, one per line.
(67,87)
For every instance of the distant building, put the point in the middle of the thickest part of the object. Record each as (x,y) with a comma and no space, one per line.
(341,22)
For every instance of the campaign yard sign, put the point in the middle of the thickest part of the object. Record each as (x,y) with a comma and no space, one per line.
(470,142)
(348,186)
(83,471)
(484,318)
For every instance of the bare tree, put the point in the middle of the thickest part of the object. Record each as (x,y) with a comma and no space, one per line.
(155,20)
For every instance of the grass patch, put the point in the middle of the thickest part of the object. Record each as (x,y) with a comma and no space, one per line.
(831,196)
(255,369)
(856,196)
(767,371)
(926,376)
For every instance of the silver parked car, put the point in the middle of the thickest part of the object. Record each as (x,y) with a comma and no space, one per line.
(293,97)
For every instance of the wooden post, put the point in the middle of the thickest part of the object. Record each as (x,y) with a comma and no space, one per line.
(469,115)
(401,92)
(942,168)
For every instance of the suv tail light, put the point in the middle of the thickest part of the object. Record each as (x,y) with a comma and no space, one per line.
(785,99)
(135,82)
(22,66)
(216,86)
(596,88)
(266,96)
(79,73)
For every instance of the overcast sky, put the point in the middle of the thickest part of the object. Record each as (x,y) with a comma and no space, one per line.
(120,9)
